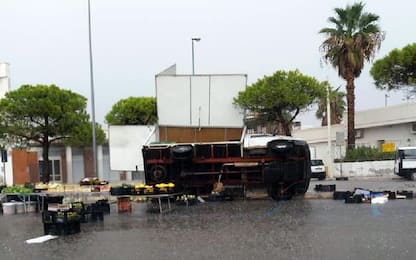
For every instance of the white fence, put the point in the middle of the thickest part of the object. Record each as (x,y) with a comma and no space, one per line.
(364,169)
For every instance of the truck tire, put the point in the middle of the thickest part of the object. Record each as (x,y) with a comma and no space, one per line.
(182,152)
(302,188)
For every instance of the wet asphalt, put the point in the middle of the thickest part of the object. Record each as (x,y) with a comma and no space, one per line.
(241,229)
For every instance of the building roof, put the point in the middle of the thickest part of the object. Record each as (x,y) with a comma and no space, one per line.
(390,115)
(318,134)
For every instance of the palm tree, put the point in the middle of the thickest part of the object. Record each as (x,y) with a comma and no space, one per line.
(337,106)
(355,38)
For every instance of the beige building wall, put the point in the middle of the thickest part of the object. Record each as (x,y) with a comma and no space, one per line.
(392,124)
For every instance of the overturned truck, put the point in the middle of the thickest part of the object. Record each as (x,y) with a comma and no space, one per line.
(281,164)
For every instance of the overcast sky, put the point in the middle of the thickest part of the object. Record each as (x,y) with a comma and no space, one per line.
(46,42)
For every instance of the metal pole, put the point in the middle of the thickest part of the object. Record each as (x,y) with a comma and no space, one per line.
(94,145)
(340,164)
(328,119)
(4,173)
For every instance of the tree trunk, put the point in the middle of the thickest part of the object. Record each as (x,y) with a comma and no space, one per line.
(287,130)
(45,156)
(282,128)
(351,112)
(324,121)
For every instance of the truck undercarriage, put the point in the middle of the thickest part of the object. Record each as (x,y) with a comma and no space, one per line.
(279,164)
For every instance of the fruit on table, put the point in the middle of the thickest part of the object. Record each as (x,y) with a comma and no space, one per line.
(140,186)
(148,188)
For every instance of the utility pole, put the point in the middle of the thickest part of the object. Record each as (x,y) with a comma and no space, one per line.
(328,119)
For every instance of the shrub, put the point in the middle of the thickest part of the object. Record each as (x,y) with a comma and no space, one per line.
(364,153)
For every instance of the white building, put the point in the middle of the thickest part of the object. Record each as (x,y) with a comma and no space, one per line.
(6,169)
(374,127)
(191,108)
(4,78)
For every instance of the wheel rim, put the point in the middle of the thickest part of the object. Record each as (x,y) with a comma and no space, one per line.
(158,173)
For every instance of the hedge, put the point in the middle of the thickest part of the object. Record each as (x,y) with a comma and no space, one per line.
(363,153)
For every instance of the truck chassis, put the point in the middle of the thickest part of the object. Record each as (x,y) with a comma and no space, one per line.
(281,165)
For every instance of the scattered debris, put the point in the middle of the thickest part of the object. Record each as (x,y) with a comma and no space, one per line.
(40,239)
(218,186)
(360,195)
(325,188)
(341,178)
(379,200)
(187,200)
(341,195)
(406,194)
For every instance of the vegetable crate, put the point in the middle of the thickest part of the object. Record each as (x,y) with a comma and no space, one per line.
(61,222)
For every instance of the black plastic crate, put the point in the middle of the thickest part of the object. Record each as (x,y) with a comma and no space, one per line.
(354,199)
(51,200)
(79,208)
(104,204)
(58,229)
(117,191)
(407,193)
(325,188)
(64,217)
(341,195)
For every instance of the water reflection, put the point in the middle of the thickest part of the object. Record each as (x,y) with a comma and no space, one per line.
(263,229)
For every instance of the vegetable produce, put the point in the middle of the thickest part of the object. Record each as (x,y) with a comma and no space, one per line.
(16,189)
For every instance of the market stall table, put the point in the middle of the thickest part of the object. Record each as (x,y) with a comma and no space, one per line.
(123,207)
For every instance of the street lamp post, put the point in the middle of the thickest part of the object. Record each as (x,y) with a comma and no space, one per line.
(193,64)
(94,145)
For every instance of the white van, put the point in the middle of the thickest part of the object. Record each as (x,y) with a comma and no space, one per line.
(318,169)
(405,162)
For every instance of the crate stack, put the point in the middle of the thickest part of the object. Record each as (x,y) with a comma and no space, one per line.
(65,219)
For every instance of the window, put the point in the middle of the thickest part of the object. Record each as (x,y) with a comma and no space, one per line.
(137,175)
(359,133)
(409,154)
(413,128)
(55,167)
(380,145)
(317,162)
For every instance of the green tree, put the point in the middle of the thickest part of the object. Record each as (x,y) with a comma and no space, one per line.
(396,70)
(279,98)
(41,114)
(354,39)
(337,106)
(133,111)
(81,135)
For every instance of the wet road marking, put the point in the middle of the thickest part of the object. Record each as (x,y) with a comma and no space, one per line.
(273,210)
(375,212)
